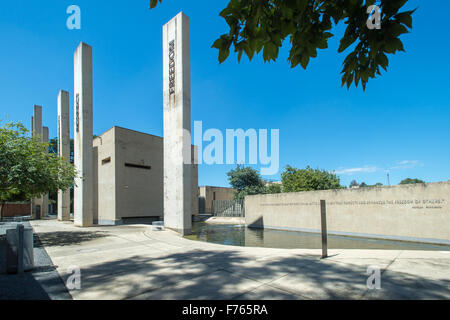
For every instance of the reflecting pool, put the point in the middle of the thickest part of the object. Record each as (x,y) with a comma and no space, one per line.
(239,235)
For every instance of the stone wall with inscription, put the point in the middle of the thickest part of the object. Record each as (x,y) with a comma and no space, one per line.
(419,212)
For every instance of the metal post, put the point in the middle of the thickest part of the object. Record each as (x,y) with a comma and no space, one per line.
(20,232)
(323,212)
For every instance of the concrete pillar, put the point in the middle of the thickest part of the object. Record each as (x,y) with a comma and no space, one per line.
(63,151)
(32,213)
(37,121)
(37,132)
(177,125)
(45,137)
(83,127)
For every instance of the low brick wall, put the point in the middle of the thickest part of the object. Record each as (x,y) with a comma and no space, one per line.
(16,209)
(419,212)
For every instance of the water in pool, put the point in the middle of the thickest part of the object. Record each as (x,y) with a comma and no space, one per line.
(239,235)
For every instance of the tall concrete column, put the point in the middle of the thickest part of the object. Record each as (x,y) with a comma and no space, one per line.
(37,132)
(63,151)
(83,126)
(32,208)
(177,125)
(45,137)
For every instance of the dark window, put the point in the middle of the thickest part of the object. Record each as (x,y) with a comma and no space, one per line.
(138,166)
(107,160)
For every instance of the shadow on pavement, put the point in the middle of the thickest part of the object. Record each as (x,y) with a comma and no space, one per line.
(62,239)
(216,275)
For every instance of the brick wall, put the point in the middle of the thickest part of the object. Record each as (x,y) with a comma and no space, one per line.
(16,209)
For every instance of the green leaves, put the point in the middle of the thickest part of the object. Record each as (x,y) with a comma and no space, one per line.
(223,44)
(153,3)
(244,177)
(27,170)
(372,46)
(308,179)
(256,25)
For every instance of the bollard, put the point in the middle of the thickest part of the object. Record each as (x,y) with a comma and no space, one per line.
(20,232)
(19,249)
(323,214)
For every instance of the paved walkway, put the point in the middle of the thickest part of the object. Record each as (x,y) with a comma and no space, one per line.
(134,262)
(43,283)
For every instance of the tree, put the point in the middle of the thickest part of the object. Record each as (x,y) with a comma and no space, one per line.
(274,188)
(363,185)
(308,179)
(53,148)
(411,181)
(246,181)
(249,191)
(354,184)
(264,25)
(243,177)
(27,170)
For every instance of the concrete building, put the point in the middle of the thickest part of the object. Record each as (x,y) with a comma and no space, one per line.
(128,177)
(207,194)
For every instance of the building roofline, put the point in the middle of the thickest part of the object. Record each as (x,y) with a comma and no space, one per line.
(140,132)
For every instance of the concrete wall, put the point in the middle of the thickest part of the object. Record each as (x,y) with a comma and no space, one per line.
(418,212)
(105,178)
(207,194)
(124,185)
(139,191)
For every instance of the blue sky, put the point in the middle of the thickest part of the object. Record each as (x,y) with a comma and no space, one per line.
(399,124)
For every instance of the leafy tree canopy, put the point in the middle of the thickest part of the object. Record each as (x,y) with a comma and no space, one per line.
(411,181)
(263,25)
(27,170)
(251,190)
(274,188)
(308,179)
(244,177)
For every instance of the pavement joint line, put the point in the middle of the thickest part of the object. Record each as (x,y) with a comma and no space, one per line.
(242,293)
(288,291)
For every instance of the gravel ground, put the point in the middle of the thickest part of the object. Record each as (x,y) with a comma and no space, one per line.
(43,283)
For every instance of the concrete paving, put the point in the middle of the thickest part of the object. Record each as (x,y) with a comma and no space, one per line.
(134,262)
(43,283)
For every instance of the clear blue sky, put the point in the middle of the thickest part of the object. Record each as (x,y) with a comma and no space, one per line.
(400,124)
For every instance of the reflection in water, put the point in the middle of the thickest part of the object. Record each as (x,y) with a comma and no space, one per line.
(238,235)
